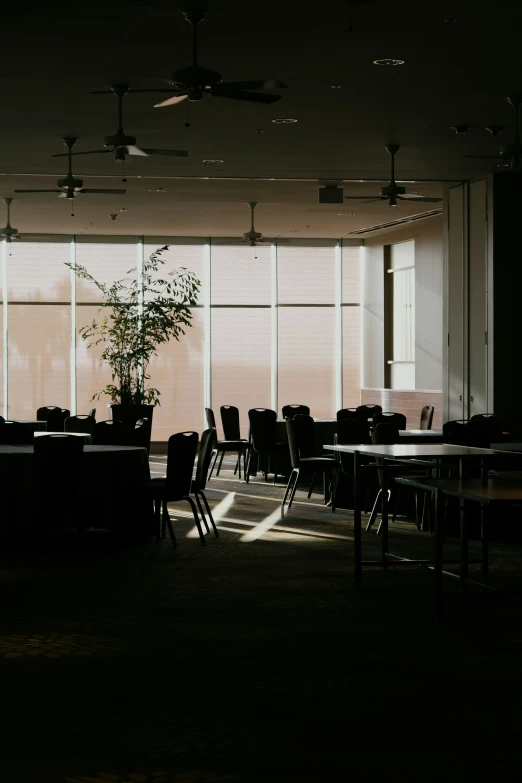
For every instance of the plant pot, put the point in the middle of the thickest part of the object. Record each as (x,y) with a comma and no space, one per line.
(129,415)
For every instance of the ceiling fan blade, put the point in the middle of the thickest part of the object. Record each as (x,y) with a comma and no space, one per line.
(63,194)
(37,191)
(87,152)
(108,191)
(256,84)
(243,95)
(132,150)
(488,157)
(373,200)
(171,101)
(173,153)
(426,199)
(358,198)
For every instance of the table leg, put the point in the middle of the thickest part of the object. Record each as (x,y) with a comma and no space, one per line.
(484,522)
(464,540)
(438,513)
(384,512)
(357,549)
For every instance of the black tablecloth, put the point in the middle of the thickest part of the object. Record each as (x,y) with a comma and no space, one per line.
(324,431)
(35,425)
(111,497)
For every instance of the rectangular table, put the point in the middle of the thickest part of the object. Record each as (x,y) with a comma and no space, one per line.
(397,453)
(420,436)
(487,492)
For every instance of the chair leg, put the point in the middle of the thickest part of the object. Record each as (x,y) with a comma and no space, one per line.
(202,513)
(312,483)
(205,501)
(375,510)
(237,465)
(379,529)
(276,467)
(220,463)
(294,487)
(247,467)
(215,455)
(166,519)
(288,486)
(196,519)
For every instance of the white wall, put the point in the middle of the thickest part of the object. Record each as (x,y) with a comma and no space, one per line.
(428,303)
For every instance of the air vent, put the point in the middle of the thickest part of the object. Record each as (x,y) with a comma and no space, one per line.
(399,222)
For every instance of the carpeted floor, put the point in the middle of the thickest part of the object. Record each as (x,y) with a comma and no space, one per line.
(254,658)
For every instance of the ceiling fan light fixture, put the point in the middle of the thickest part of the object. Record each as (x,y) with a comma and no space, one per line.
(389,61)
(284,120)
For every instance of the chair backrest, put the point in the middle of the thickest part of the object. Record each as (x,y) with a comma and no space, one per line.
(181,455)
(15,433)
(263,429)
(139,435)
(289,411)
(347,414)
(109,433)
(456,432)
(385,435)
(58,463)
(368,411)
(206,447)
(426,417)
(230,422)
(353,431)
(54,416)
(397,420)
(80,423)
(484,429)
(301,438)
(211,419)
(92,413)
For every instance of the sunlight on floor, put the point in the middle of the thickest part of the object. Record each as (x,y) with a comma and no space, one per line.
(263,527)
(218,512)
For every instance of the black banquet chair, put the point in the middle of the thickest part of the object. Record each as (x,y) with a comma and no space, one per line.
(109,433)
(367,412)
(58,476)
(347,414)
(289,411)
(79,423)
(199,483)
(426,417)
(264,443)
(232,442)
(54,416)
(301,440)
(397,420)
(177,484)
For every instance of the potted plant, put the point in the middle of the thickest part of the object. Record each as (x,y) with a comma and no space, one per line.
(138,313)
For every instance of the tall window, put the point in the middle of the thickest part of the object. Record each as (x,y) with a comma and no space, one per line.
(400,306)
(273,325)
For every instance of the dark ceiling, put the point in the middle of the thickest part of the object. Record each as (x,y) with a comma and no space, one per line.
(456,72)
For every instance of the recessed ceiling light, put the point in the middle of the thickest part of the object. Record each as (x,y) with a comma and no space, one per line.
(259,130)
(336,86)
(389,61)
(284,121)
(210,161)
(342,214)
(157,190)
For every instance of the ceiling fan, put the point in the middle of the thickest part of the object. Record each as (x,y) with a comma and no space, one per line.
(390,193)
(8,232)
(191,82)
(70,187)
(255,238)
(120,143)
(510,154)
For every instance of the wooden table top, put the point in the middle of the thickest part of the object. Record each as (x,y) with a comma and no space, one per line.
(492,491)
(400,450)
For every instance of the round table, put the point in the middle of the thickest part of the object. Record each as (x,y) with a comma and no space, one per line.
(111,493)
(85,435)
